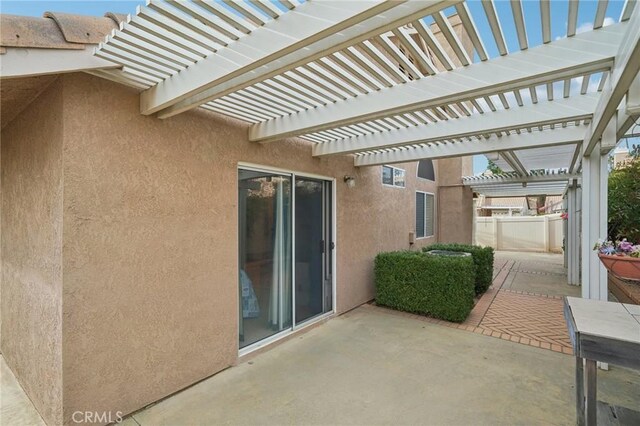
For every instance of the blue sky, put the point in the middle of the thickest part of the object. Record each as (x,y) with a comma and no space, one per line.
(96,8)
(559,9)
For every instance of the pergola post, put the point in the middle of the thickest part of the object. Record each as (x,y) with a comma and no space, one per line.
(595,175)
(572,241)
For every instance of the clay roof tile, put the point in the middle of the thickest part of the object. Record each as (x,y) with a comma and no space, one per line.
(118,18)
(82,29)
(28,31)
(56,30)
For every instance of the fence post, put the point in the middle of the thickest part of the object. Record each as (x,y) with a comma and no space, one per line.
(494,224)
(546,233)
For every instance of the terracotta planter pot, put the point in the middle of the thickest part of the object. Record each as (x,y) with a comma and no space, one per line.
(624,267)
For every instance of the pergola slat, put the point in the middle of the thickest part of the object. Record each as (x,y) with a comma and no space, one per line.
(587,52)
(496,29)
(569,135)
(472,31)
(433,43)
(210,19)
(388,66)
(451,37)
(572,19)
(545,17)
(312,31)
(533,115)
(521,28)
(601,12)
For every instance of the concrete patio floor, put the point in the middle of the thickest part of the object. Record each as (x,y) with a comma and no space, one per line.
(372,367)
(541,273)
(15,407)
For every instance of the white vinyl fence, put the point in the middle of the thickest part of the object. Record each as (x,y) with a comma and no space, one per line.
(521,233)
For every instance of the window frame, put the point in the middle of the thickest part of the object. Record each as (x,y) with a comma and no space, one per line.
(425,215)
(393,175)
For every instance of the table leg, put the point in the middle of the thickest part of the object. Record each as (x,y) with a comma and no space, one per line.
(580,391)
(590,385)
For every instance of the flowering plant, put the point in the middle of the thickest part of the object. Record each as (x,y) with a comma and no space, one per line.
(619,248)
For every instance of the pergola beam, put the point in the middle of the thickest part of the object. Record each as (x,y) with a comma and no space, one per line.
(493,181)
(584,53)
(624,123)
(547,112)
(561,136)
(312,30)
(30,62)
(516,190)
(625,70)
(512,160)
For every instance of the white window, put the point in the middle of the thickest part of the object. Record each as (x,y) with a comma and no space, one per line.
(393,176)
(425,214)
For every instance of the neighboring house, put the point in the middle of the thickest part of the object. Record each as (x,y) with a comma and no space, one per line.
(502,206)
(621,157)
(141,255)
(518,206)
(552,204)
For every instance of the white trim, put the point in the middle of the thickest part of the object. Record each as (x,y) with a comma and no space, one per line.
(30,62)
(425,215)
(293,251)
(265,168)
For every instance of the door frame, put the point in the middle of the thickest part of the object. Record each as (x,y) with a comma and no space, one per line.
(334,235)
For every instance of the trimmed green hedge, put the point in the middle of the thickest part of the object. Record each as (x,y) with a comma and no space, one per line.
(439,286)
(482,258)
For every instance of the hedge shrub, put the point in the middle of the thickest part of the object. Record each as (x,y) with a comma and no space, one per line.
(439,286)
(482,258)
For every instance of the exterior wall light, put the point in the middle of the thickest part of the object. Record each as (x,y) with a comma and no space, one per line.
(350,181)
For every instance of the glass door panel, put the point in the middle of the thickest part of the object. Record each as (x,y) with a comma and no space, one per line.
(265,258)
(311,248)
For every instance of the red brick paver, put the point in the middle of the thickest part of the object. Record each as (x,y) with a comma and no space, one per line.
(526,317)
(480,309)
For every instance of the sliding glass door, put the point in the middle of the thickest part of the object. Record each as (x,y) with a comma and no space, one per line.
(264,255)
(285,245)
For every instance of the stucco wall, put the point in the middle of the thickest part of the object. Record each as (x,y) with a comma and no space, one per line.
(150,242)
(32,185)
(455,201)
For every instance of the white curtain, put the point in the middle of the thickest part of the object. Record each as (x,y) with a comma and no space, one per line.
(280,303)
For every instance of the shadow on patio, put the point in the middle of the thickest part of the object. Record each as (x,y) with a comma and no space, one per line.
(373,367)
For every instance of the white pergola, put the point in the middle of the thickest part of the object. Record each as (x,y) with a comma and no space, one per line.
(512,184)
(338,74)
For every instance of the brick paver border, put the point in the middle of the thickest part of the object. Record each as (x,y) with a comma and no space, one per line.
(482,306)
(479,311)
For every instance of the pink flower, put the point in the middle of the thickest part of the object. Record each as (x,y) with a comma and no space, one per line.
(625,246)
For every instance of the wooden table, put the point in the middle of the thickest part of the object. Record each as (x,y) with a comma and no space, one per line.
(600,331)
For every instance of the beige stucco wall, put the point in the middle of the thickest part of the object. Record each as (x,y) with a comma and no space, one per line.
(32,185)
(150,242)
(455,201)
